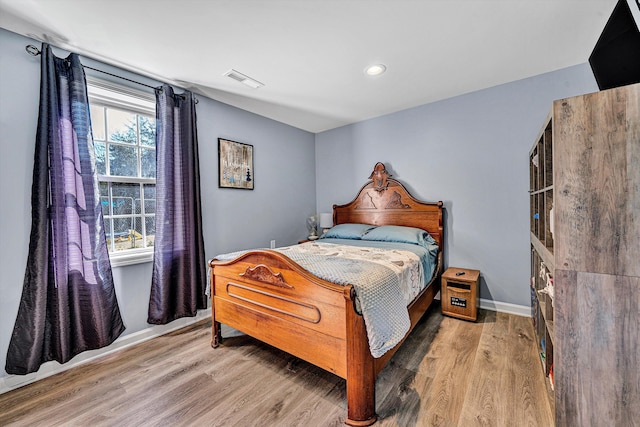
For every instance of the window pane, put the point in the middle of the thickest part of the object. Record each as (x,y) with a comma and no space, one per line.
(107,230)
(149,199)
(104,199)
(136,228)
(135,233)
(101,161)
(122,126)
(124,197)
(137,208)
(122,236)
(147,131)
(148,163)
(150,223)
(97,122)
(123,160)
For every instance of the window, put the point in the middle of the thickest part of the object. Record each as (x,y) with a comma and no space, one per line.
(124,133)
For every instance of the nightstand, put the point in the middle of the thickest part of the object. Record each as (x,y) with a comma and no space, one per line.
(460,293)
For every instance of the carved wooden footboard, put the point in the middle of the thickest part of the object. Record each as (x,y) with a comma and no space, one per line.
(270,297)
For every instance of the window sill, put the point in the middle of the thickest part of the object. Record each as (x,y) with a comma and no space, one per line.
(121,260)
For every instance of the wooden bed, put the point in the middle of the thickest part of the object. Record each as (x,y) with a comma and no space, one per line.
(266,295)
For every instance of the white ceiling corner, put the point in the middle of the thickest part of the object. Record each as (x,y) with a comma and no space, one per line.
(311,54)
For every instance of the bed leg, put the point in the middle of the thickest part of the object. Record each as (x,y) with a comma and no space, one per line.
(361,379)
(361,402)
(216,336)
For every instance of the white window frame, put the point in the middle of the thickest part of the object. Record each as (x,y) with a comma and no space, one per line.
(112,95)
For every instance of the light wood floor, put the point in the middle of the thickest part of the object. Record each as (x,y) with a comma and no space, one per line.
(448,373)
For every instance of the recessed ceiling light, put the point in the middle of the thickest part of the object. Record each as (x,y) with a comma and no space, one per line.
(375,70)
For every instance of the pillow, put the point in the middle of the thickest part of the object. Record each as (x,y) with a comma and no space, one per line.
(397,233)
(347,231)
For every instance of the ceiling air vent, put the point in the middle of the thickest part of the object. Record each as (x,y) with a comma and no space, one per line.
(235,75)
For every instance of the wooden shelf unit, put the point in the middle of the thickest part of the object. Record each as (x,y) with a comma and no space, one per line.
(542,266)
(541,186)
(584,173)
(542,311)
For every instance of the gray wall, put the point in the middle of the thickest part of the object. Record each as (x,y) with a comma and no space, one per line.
(471,152)
(277,208)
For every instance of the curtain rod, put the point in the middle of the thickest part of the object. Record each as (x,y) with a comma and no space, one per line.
(34,51)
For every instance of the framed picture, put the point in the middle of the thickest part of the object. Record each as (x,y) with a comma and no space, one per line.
(235,168)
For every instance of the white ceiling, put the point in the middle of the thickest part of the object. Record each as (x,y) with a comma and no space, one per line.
(310,54)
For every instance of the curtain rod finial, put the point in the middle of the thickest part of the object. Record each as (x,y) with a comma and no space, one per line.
(32,50)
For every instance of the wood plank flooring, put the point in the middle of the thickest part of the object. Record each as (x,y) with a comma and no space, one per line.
(449,372)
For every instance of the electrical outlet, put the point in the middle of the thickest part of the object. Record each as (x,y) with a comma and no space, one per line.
(273,244)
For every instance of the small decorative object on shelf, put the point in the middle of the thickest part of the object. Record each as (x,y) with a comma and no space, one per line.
(460,293)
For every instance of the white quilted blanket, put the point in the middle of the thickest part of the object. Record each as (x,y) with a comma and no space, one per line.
(405,264)
(386,281)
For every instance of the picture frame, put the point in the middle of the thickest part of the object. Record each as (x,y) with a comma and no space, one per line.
(235,165)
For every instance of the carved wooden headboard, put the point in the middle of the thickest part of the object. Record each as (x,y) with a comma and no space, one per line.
(385,201)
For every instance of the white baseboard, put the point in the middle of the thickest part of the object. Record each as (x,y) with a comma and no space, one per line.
(505,307)
(11,382)
(502,307)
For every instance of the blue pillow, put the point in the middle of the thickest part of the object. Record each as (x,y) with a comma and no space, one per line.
(397,233)
(347,231)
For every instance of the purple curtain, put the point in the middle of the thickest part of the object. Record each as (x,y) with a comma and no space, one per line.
(68,302)
(179,269)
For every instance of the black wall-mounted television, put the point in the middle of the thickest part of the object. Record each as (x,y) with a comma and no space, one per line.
(615,60)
